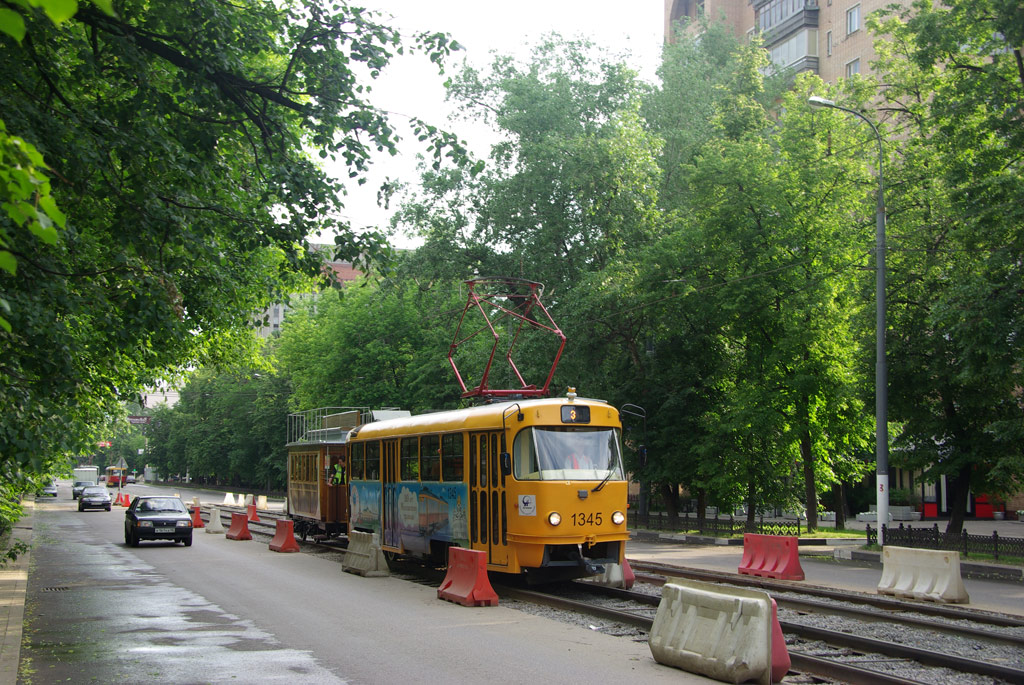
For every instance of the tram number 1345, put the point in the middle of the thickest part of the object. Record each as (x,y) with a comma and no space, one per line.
(587,519)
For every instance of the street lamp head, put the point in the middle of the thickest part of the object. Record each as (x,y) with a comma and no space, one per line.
(816,101)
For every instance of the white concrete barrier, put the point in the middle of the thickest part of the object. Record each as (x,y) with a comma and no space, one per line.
(215,525)
(364,555)
(229,500)
(726,635)
(922,574)
(261,502)
(245,502)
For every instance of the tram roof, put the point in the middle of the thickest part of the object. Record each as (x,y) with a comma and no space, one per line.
(464,419)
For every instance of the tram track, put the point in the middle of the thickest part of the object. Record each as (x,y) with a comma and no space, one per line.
(820,652)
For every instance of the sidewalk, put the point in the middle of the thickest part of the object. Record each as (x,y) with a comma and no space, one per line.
(846,550)
(13,585)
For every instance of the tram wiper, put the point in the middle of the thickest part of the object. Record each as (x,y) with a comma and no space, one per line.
(604,482)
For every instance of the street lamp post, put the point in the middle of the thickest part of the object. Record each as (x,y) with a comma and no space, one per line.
(881,369)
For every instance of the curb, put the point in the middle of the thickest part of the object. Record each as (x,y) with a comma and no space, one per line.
(13,587)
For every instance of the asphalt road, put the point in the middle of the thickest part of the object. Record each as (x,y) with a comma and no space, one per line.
(231,611)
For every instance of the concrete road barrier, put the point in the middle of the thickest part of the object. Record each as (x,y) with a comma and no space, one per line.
(364,555)
(922,574)
(229,500)
(466,582)
(284,537)
(771,556)
(215,525)
(616,575)
(725,634)
(239,529)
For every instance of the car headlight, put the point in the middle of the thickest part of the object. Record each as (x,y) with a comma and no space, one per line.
(184,524)
(618,517)
(145,524)
(554,518)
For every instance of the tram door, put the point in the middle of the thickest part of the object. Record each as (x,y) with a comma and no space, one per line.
(487,511)
(389,507)
(336,484)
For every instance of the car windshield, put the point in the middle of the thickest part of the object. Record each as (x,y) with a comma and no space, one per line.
(161,504)
(94,491)
(83,483)
(567,453)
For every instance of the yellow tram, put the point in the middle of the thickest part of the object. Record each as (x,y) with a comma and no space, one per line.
(537,484)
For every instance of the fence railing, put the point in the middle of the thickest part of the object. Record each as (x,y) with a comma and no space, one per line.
(715,526)
(933,538)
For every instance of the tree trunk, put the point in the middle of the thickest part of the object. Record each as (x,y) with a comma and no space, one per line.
(839,504)
(810,489)
(751,524)
(961,490)
(671,495)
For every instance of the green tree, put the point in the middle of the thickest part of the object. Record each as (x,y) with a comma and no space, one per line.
(758,273)
(159,187)
(954,88)
(383,344)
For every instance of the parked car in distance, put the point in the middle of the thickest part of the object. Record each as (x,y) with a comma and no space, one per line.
(94,497)
(157,517)
(76,489)
(130,478)
(48,491)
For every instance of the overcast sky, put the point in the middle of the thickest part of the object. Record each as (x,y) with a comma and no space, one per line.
(411,86)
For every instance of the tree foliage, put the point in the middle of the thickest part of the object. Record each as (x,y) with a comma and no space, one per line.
(955,92)
(160,178)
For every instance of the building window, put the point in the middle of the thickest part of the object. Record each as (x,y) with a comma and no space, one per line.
(852,67)
(853,19)
(802,44)
(828,44)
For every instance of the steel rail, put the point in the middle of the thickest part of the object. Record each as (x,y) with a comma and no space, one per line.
(888,603)
(847,673)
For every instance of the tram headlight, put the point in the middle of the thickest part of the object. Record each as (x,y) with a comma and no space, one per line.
(618,517)
(554,518)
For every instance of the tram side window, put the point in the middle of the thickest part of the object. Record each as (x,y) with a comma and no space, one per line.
(356,461)
(451,457)
(430,457)
(373,460)
(410,469)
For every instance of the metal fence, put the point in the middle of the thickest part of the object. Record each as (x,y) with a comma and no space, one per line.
(714,526)
(933,538)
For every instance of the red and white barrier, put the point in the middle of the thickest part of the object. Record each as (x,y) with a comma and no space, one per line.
(466,582)
(197,521)
(771,556)
(284,537)
(239,529)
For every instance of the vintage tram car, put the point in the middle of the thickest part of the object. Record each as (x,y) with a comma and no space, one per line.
(318,501)
(537,484)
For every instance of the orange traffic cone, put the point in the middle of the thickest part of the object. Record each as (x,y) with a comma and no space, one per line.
(253,516)
(197,522)
(122,500)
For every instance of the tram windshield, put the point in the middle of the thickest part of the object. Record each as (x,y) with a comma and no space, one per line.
(561,453)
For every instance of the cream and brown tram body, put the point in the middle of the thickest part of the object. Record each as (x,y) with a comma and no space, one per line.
(536,484)
(318,492)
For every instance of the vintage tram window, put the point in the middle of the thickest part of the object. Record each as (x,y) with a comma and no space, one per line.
(356,461)
(373,460)
(451,457)
(430,457)
(410,466)
(483,516)
(575,413)
(483,461)
(494,461)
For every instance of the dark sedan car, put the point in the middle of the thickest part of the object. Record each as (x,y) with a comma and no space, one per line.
(94,497)
(76,489)
(157,517)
